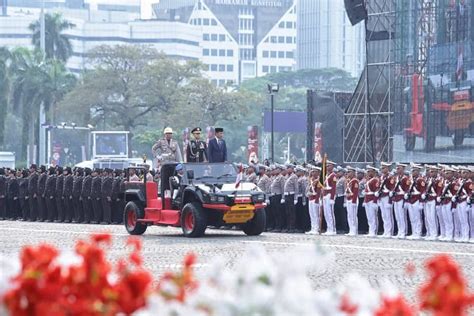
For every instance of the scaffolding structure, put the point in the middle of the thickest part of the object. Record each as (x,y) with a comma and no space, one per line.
(418,59)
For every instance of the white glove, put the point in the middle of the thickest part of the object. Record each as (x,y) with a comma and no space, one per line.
(423,196)
(304,202)
(363,204)
(438,199)
(282,201)
(267,202)
(390,194)
(295,202)
(331,202)
(405,196)
(377,194)
(468,200)
(344,205)
(453,199)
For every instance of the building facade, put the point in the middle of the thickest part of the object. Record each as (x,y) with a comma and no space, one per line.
(326,38)
(241,39)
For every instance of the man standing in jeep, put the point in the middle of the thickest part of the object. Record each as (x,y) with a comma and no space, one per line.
(167,149)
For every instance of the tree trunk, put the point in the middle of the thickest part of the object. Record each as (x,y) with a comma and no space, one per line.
(3,114)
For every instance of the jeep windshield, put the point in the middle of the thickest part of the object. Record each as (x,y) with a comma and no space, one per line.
(213,172)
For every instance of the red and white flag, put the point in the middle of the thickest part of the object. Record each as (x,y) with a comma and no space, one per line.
(240,176)
(459,65)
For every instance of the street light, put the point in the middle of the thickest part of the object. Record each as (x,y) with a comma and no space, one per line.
(272,89)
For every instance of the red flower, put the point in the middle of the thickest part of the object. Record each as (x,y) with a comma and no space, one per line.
(347,306)
(394,307)
(105,238)
(445,292)
(410,268)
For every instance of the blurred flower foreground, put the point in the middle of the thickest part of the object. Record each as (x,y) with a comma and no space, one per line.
(46,281)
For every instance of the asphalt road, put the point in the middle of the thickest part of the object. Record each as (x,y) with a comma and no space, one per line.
(375,258)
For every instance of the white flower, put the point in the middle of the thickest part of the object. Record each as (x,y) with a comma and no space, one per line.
(8,269)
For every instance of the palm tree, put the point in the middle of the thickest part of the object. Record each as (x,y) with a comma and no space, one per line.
(57,45)
(5,58)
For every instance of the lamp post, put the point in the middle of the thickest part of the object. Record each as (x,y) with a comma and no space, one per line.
(273,88)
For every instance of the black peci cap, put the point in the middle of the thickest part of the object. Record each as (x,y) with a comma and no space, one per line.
(218,129)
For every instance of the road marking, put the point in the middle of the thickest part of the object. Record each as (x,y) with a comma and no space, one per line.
(63,231)
(454,253)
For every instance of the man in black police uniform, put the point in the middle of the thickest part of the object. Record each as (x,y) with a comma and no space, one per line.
(59,195)
(95,195)
(3,194)
(117,197)
(67,194)
(106,195)
(41,200)
(76,195)
(12,194)
(25,207)
(197,149)
(50,194)
(33,193)
(86,195)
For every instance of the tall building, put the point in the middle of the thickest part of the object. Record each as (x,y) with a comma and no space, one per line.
(326,38)
(241,39)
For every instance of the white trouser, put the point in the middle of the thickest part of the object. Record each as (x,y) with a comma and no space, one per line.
(400,217)
(471,220)
(387,215)
(328,206)
(314,215)
(448,221)
(430,219)
(414,210)
(372,218)
(463,214)
(352,217)
(440,216)
(457,222)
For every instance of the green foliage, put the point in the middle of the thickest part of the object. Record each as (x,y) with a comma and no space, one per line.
(57,45)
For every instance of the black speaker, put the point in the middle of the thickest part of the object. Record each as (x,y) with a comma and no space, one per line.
(355,10)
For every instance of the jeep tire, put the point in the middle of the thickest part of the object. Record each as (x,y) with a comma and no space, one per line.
(132,213)
(193,220)
(256,225)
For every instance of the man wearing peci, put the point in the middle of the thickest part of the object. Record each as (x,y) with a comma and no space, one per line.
(217,147)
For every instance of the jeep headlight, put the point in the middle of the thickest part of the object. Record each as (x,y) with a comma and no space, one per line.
(259,198)
(220,199)
(213,198)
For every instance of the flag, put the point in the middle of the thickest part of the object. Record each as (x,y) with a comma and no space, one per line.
(322,175)
(240,176)
(459,65)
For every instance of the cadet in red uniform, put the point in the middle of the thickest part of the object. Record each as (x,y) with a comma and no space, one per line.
(387,185)
(314,191)
(471,211)
(413,199)
(329,195)
(370,201)
(401,187)
(447,196)
(463,208)
(352,201)
(434,186)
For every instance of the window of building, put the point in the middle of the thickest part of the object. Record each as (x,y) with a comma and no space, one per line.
(265,69)
(281,54)
(205,22)
(273,39)
(198,21)
(213,52)
(213,22)
(230,68)
(221,67)
(273,69)
(265,54)
(273,54)
(230,82)
(206,67)
(205,37)
(289,40)
(221,37)
(205,52)
(266,40)
(221,82)
(281,39)
(213,67)
(214,37)
(290,55)
(289,25)
(221,52)
(281,24)
(230,53)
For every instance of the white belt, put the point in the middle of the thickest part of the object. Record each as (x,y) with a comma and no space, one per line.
(289,193)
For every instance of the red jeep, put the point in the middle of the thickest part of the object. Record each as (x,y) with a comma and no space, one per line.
(207,195)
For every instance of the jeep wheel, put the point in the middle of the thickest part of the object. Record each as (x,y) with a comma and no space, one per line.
(458,138)
(410,141)
(193,220)
(256,225)
(130,216)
